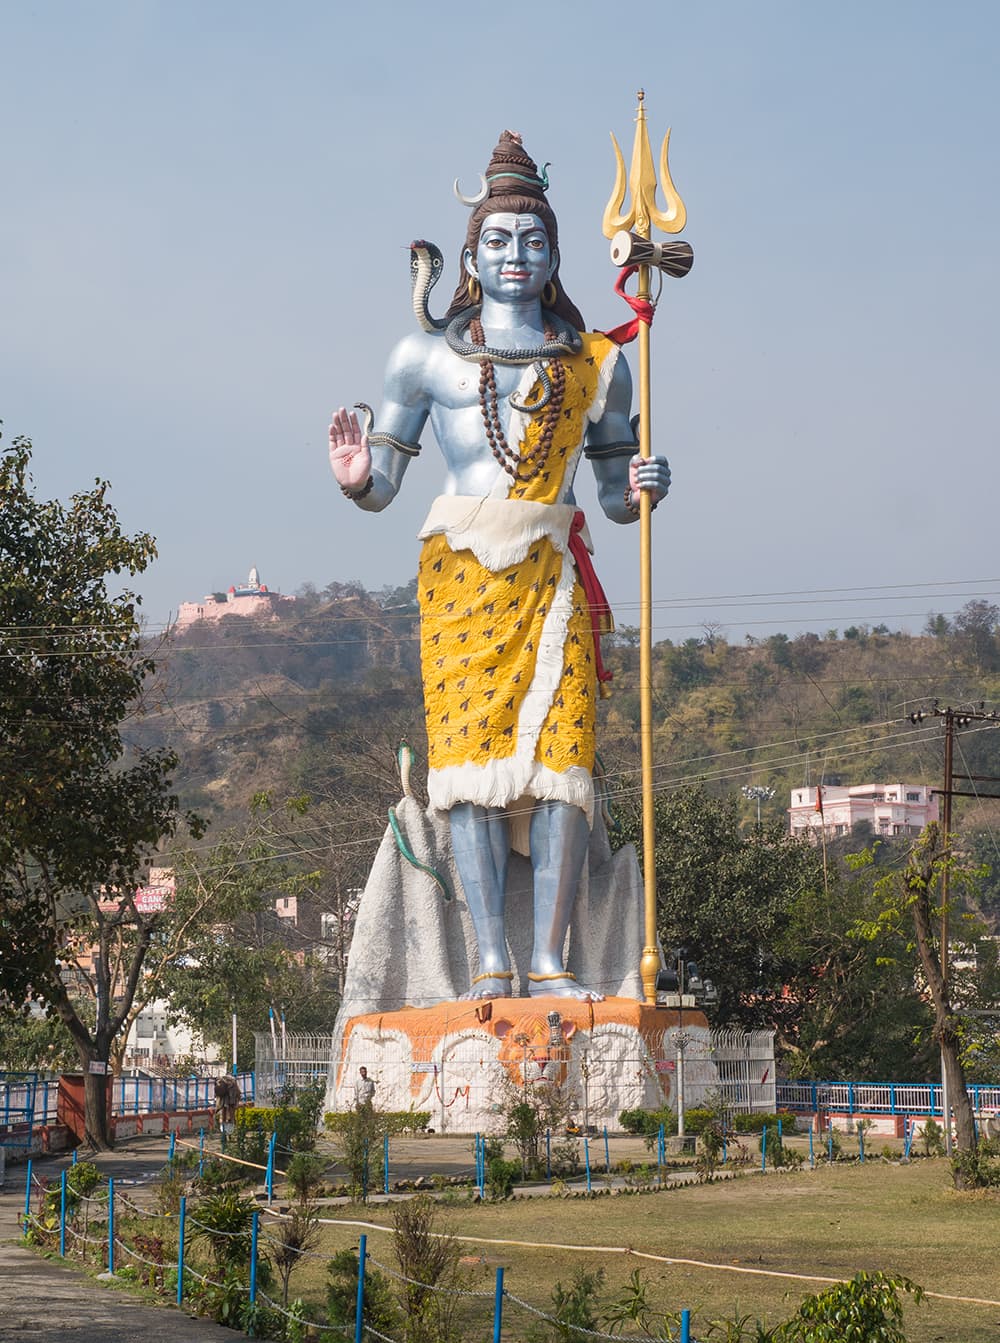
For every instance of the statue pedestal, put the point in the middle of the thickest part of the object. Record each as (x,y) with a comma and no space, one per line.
(463,1061)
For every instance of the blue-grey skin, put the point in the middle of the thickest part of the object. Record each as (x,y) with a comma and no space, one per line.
(425,380)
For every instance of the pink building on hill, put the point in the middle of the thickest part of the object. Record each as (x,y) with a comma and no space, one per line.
(248,599)
(889,808)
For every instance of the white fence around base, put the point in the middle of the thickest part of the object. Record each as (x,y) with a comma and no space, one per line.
(464,1080)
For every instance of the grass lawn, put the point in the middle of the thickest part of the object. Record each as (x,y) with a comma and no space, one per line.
(830,1223)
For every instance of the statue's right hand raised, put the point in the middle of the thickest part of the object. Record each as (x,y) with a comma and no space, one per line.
(350,457)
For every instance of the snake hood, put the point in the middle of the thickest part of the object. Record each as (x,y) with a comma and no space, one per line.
(426,267)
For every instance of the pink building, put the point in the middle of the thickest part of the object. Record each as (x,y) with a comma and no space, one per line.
(889,808)
(251,598)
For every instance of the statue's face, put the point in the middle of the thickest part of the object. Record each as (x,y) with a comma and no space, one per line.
(513,260)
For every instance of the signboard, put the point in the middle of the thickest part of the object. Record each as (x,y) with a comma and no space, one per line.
(98,1068)
(153,899)
(665,1065)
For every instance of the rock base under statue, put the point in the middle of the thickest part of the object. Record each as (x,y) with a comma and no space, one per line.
(465,1061)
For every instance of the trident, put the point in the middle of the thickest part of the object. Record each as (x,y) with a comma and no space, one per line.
(631,246)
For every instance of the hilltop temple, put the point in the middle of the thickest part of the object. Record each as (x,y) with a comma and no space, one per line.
(252,598)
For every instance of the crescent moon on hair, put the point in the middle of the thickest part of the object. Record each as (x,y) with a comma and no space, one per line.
(484,191)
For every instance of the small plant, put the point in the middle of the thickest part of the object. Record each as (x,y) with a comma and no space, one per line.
(380,1313)
(154,1250)
(225,1220)
(575,1308)
(429,1263)
(293,1237)
(932,1138)
(305,1175)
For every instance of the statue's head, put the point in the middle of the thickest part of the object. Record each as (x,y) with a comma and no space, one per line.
(513,185)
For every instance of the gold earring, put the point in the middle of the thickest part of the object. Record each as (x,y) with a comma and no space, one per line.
(549,295)
(475,289)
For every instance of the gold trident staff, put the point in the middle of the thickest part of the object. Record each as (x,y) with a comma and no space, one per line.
(630,234)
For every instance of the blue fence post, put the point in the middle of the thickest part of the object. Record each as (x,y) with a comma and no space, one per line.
(763,1148)
(201,1151)
(254,1236)
(269,1176)
(861,1142)
(181,1218)
(62,1217)
(385,1161)
(850,1099)
(607,1153)
(173,1144)
(892,1098)
(661,1147)
(830,1141)
(359,1310)
(586,1158)
(685,1326)
(111,1224)
(498,1307)
(813,1098)
(724,1150)
(27,1198)
(548,1154)
(908,1139)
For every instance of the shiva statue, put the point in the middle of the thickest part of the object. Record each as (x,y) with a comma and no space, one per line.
(511,612)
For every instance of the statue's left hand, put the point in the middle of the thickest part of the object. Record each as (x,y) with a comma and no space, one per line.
(651,474)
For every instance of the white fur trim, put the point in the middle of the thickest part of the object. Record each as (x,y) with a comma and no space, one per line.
(499,532)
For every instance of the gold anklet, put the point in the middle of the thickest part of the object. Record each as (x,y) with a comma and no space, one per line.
(540,979)
(494,974)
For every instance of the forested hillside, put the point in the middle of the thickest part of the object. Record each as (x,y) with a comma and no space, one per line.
(316,703)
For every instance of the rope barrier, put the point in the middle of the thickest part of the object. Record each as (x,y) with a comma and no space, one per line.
(224,1156)
(576,1328)
(323,1328)
(427,1286)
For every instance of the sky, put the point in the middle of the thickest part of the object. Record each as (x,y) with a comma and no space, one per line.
(203,251)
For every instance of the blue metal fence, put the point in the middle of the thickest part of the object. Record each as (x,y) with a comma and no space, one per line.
(869,1098)
(28,1101)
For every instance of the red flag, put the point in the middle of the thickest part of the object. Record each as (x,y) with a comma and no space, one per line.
(819,799)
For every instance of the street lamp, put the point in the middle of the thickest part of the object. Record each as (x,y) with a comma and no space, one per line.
(757,792)
(682,986)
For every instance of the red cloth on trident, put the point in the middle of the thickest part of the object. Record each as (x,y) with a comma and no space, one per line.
(601,619)
(642,308)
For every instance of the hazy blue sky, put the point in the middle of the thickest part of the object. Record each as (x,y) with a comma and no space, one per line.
(203,250)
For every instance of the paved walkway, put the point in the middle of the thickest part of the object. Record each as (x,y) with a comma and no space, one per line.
(51,1301)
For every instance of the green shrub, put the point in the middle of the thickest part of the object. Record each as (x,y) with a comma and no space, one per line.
(646,1123)
(978,1169)
(395,1121)
(753,1123)
(866,1308)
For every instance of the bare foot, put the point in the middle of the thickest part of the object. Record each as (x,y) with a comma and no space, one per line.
(489,986)
(565,986)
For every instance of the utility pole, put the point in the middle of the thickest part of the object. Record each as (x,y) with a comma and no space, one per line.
(953,718)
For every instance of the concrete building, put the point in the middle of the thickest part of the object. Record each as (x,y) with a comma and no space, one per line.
(891,809)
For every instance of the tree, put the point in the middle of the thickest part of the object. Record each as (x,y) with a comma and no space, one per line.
(727,896)
(910,895)
(79,817)
(226,950)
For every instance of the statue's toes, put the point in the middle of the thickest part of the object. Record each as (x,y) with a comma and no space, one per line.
(489,987)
